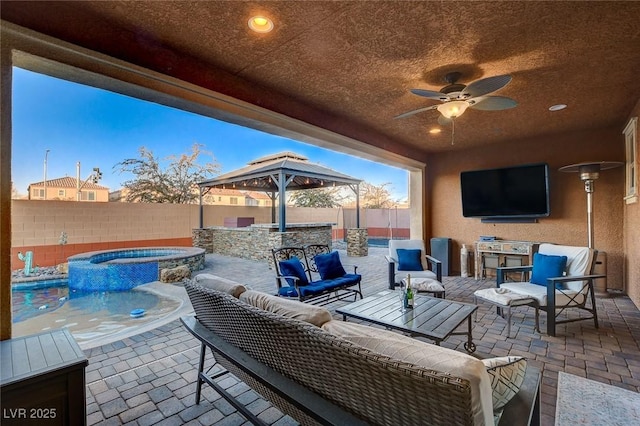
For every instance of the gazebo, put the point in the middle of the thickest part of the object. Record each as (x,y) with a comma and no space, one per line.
(277,173)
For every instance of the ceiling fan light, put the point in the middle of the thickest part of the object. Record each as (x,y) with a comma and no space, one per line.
(260,24)
(453,109)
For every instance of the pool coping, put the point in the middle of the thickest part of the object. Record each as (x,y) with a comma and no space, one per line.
(187,252)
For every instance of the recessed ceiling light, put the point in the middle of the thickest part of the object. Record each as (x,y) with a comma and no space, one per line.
(260,24)
(557,107)
(435,131)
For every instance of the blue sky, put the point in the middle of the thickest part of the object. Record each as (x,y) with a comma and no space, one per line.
(101,128)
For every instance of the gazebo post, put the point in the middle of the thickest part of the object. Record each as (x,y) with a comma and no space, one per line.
(358,205)
(201,208)
(273,206)
(282,202)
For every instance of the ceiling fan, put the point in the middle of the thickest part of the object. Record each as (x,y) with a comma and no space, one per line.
(455,98)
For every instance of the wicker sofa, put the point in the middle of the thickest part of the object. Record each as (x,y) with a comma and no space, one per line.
(350,367)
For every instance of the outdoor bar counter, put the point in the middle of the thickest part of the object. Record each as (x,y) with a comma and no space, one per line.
(256,241)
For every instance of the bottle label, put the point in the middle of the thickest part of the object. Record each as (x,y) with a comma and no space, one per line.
(408,298)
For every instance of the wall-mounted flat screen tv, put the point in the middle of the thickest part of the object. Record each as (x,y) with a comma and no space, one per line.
(506,193)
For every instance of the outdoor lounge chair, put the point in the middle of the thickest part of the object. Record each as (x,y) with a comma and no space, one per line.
(410,257)
(561,278)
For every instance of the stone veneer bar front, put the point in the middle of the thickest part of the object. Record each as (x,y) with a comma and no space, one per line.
(256,241)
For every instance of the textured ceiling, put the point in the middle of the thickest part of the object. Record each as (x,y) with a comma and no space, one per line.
(358,60)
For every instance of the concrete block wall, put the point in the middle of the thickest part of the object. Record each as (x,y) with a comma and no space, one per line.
(37,225)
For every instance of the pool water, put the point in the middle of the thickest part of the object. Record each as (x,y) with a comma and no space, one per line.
(87,315)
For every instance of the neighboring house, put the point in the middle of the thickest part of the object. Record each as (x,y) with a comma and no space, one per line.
(224,197)
(119,195)
(254,198)
(66,189)
(220,197)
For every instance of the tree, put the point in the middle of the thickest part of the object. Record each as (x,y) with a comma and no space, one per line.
(375,197)
(176,184)
(318,197)
(15,194)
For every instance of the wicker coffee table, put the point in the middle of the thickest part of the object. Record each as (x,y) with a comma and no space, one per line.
(435,319)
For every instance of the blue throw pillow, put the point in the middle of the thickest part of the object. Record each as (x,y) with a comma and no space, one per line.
(547,266)
(409,260)
(294,268)
(329,265)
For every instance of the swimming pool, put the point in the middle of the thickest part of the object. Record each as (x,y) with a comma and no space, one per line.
(124,269)
(89,316)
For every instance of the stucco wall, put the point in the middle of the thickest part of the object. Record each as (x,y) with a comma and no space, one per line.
(567,223)
(632,233)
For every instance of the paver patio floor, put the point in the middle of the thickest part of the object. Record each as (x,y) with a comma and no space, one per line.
(149,378)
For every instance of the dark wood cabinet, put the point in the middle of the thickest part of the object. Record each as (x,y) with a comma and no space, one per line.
(42,380)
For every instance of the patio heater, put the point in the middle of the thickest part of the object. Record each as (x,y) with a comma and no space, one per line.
(589,172)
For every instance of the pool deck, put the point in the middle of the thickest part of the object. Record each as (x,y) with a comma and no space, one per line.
(149,378)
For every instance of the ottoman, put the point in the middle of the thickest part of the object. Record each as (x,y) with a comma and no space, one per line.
(426,285)
(505,299)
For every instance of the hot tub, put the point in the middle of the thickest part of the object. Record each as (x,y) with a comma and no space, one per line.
(124,269)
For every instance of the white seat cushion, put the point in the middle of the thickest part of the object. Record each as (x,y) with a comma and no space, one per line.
(425,284)
(502,296)
(539,292)
(400,275)
(220,284)
(315,315)
(426,355)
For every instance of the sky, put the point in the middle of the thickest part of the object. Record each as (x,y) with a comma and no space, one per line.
(99,128)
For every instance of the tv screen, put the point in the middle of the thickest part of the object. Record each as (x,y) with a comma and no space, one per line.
(510,192)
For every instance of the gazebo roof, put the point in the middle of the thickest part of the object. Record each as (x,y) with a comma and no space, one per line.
(261,175)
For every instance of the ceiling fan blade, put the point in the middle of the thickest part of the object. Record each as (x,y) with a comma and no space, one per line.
(439,96)
(415,111)
(492,103)
(485,86)
(444,121)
